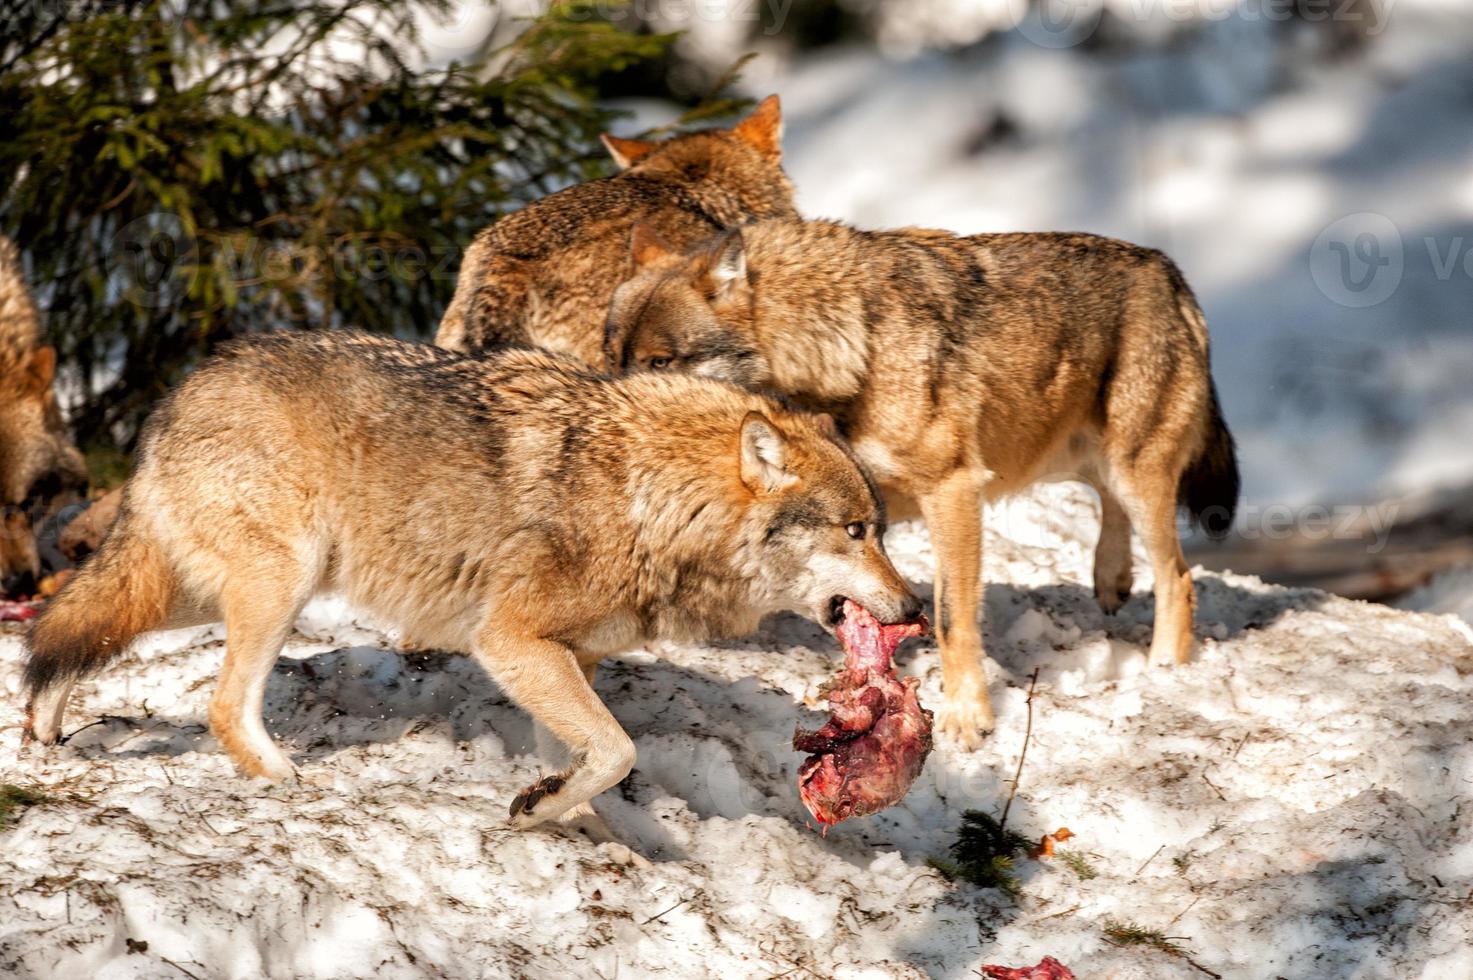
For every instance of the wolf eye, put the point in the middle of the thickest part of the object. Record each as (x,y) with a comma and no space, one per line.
(855,530)
(660,363)
(46,487)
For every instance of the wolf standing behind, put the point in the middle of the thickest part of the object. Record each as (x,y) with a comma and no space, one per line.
(39,466)
(509,505)
(962,369)
(543,275)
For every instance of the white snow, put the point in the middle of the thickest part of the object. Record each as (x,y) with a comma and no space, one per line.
(1291,804)
(1448,592)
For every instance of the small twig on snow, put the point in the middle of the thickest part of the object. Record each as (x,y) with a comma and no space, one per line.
(666,912)
(1002,823)
(1198,966)
(181,969)
(1150,859)
(1183,912)
(1055,915)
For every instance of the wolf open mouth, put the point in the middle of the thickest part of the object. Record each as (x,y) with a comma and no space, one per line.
(878,736)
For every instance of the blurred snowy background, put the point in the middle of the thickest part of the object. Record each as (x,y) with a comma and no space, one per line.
(1308,164)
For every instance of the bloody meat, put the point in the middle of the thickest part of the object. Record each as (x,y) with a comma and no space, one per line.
(1049,969)
(877,737)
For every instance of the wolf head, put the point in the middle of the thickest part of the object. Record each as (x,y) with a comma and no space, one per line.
(820,523)
(40,470)
(690,312)
(734,174)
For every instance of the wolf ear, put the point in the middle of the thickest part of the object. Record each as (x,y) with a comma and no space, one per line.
(627,153)
(646,245)
(827,425)
(763,129)
(41,368)
(763,454)
(726,267)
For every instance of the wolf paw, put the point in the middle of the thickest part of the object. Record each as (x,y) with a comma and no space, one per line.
(1113,581)
(625,856)
(1165,657)
(275,772)
(964,720)
(1111,598)
(522,807)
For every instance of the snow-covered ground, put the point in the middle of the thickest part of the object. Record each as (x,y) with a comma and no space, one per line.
(1450,592)
(1294,804)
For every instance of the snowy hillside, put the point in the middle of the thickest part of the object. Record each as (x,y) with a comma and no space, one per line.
(1293,804)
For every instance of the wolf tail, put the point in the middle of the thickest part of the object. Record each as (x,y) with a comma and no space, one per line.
(1209,487)
(125,589)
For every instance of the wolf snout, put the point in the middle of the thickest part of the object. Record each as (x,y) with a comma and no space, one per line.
(19,583)
(904,609)
(889,610)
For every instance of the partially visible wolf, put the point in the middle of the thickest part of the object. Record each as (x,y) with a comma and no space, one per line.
(962,369)
(511,505)
(543,275)
(39,466)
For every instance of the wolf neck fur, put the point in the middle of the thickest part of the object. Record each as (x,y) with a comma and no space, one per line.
(807,320)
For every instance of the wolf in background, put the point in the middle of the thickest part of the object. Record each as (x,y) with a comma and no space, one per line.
(543,275)
(39,467)
(513,506)
(962,369)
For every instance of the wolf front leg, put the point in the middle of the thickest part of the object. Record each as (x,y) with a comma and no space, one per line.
(953,513)
(545,679)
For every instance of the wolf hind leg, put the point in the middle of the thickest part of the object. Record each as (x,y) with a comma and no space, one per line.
(546,680)
(1148,495)
(259,610)
(1113,575)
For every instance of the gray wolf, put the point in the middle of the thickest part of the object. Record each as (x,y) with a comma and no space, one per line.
(962,369)
(543,275)
(513,506)
(40,469)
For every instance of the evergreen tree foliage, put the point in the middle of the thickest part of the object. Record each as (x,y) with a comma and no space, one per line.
(180,172)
